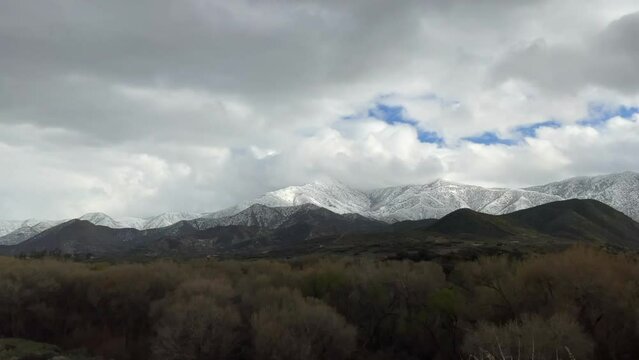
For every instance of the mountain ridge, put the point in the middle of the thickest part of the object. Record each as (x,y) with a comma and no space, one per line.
(307,229)
(276,226)
(390,204)
(620,190)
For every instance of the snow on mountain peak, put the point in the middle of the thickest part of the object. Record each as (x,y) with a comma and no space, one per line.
(15,231)
(98,218)
(444,183)
(620,191)
(165,219)
(331,195)
(440,197)
(7,226)
(168,218)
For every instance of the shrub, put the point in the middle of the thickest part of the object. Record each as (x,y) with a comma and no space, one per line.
(290,327)
(197,322)
(559,337)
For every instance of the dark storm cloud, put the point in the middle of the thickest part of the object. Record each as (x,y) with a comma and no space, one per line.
(60,59)
(234,46)
(608,59)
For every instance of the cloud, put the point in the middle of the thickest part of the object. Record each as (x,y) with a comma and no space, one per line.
(607,59)
(152,106)
(554,153)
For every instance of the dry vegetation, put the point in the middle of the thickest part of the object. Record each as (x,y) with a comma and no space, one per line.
(581,303)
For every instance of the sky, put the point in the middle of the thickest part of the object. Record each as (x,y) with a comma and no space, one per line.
(138,108)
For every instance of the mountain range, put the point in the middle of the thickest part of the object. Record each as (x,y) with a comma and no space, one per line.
(262,231)
(467,234)
(393,204)
(256,225)
(14,232)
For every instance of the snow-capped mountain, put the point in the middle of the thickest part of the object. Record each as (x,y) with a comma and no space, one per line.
(620,191)
(413,202)
(439,198)
(399,203)
(102,219)
(13,232)
(256,215)
(28,229)
(23,230)
(162,220)
(331,195)
(167,219)
(7,226)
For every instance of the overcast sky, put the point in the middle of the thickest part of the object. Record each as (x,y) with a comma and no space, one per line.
(141,107)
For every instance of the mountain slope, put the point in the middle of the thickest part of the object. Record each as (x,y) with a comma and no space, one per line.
(26,231)
(620,191)
(331,195)
(287,226)
(78,236)
(414,202)
(256,215)
(312,222)
(256,227)
(475,224)
(162,220)
(286,223)
(581,219)
(7,226)
(440,198)
(97,218)
(578,220)
(13,232)
(167,219)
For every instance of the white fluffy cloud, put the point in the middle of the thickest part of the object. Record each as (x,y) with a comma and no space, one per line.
(555,153)
(136,109)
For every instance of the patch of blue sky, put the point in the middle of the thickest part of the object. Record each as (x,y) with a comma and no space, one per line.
(396,114)
(531,129)
(431,137)
(599,113)
(391,114)
(490,138)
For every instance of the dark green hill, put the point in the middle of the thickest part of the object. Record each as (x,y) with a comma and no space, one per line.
(587,220)
(314,222)
(576,220)
(466,234)
(78,236)
(473,223)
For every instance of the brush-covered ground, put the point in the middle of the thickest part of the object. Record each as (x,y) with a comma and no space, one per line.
(577,303)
